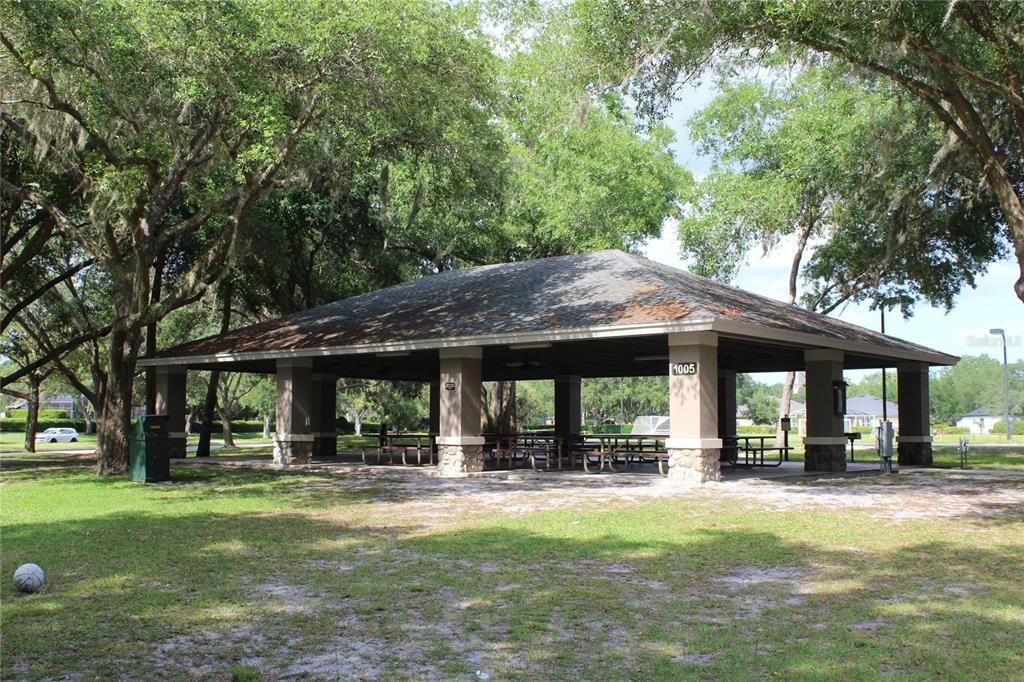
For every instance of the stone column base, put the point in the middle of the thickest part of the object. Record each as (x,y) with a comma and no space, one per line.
(288,452)
(459,456)
(821,457)
(914,453)
(176,446)
(694,465)
(325,446)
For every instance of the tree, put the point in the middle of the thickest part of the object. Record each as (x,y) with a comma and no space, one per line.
(962,63)
(975,382)
(839,172)
(760,400)
(224,103)
(262,399)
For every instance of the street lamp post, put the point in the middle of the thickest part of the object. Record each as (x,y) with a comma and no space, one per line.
(1006,382)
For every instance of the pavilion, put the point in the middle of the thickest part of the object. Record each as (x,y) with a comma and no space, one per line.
(602,314)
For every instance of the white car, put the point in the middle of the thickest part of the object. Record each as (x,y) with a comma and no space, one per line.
(57,436)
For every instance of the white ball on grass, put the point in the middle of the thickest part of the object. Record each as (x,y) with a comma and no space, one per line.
(29,578)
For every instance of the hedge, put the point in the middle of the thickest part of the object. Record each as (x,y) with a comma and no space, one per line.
(8,425)
(1016,427)
(22,414)
(237,426)
(951,430)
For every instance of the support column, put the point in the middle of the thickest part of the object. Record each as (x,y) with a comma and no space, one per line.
(170,400)
(694,447)
(435,406)
(726,404)
(460,445)
(293,440)
(914,442)
(825,444)
(568,407)
(323,420)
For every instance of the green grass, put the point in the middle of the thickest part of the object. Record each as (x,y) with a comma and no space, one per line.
(247,574)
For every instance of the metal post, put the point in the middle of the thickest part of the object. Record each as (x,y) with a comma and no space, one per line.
(885,416)
(1006,383)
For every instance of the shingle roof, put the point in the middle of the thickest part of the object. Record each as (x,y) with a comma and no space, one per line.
(600,290)
(984,412)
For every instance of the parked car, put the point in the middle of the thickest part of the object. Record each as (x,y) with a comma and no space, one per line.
(57,435)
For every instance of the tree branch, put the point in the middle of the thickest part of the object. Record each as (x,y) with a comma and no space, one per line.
(59,351)
(35,295)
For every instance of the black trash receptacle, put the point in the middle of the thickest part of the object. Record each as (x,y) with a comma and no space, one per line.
(149,451)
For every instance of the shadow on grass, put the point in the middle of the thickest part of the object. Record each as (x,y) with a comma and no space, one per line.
(615,595)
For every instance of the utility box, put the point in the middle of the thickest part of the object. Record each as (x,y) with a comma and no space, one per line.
(149,450)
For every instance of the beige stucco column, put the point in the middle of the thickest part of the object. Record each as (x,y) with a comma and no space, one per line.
(323,420)
(460,445)
(914,442)
(293,440)
(694,445)
(170,400)
(568,406)
(824,445)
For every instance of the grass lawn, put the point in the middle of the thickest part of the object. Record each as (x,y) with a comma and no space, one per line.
(264,575)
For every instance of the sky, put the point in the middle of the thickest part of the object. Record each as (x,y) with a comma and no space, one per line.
(964,330)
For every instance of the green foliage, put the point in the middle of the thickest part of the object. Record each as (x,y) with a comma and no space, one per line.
(237,426)
(1016,427)
(602,398)
(872,385)
(761,401)
(826,163)
(952,67)
(17,425)
(976,381)
(53,415)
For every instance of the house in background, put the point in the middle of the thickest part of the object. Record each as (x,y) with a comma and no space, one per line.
(49,401)
(861,411)
(980,420)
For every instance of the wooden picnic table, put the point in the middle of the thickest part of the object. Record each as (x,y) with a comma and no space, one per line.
(753,449)
(404,445)
(525,447)
(620,450)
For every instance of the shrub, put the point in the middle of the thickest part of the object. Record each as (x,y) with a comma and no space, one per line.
(951,430)
(758,430)
(18,425)
(237,426)
(22,414)
(1016,427)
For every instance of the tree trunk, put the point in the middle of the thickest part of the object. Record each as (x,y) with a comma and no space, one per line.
(158,278)
(266,426)
(210,404)
(32,423)
(784,404)
(225,426)
(501,407)
(114,421)
(209,409)
(794,272)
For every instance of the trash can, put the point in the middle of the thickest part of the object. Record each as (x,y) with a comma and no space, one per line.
(149,451)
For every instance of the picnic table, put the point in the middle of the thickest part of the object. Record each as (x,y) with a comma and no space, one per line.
(753,449)
(404,445)
(616,452)
(522,447)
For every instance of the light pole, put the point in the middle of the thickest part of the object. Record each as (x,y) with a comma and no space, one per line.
(1006,382)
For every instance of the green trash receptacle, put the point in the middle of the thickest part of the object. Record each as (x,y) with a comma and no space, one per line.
(149,451)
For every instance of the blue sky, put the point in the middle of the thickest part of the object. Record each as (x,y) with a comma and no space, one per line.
(961,331)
